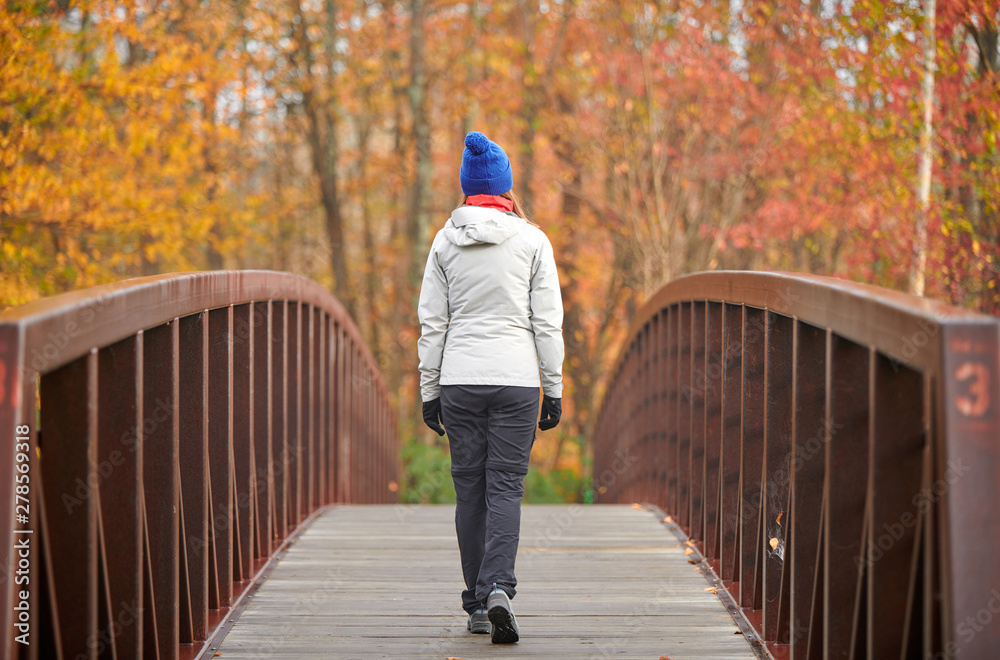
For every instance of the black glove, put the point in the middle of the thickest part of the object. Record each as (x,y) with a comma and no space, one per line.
(551,412)
(432,415)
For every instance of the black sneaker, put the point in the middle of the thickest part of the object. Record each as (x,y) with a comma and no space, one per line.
(479,621)
(505,629)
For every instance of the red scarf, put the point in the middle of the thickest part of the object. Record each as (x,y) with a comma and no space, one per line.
(491,202)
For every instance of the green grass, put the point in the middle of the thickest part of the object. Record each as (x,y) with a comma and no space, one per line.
(427,479)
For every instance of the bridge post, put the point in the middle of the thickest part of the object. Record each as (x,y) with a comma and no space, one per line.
(968,469)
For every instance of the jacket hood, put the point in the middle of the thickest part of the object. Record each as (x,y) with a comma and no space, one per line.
(477,225)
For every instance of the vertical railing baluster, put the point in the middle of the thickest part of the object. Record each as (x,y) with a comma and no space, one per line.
(652,430)
(333,440)
(754,411)
(193,452)
(359,448)
(220,439)
(279,422)
(69,432)
(632,440)
(306,408)
(636,476)
(640,475)
(846,494)
(670,412)
(732,464)
(294,414)
(697,392)
(322,409)
(119,459)
(366,431)
(783,630)
(684,417)
(778,438)
(926,590)
(660,411)
(896,458)
(342,426)
(161,434)
(369,430)
(262,417)
(244,329)
(806,483)
(355,485)
(713,426)
(343,406)
(624,482)
(648,428)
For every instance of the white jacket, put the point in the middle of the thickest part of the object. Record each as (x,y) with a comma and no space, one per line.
(490,307)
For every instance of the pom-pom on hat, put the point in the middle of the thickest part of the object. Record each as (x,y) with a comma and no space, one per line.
(485,167)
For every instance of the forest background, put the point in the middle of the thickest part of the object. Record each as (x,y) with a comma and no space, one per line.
(649,139)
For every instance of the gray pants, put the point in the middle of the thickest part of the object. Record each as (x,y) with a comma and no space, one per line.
(491,429)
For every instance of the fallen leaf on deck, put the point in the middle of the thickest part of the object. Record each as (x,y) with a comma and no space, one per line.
(779,517)
(636,506)
(774,543)
(688,551)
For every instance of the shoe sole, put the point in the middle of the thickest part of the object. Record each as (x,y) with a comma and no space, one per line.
(480,628)
(504,631)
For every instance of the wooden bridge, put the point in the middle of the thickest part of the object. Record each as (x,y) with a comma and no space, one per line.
(205,465)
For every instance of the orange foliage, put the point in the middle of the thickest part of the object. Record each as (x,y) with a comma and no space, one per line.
(663,138)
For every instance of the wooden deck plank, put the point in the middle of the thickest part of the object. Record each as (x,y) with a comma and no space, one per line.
(596,582)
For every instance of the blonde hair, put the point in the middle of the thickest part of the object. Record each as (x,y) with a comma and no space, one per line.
(518,205)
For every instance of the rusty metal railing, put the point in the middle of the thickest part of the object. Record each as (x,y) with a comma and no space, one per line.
(163,437)
(832,449)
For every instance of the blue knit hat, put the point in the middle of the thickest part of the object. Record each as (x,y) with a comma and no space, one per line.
(485,167)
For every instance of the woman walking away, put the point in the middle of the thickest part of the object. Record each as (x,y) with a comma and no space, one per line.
(490,334)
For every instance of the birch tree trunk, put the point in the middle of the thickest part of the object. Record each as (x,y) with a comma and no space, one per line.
(919,265)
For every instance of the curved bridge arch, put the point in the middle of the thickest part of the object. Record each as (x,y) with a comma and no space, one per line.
(832,449)
(177,430)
